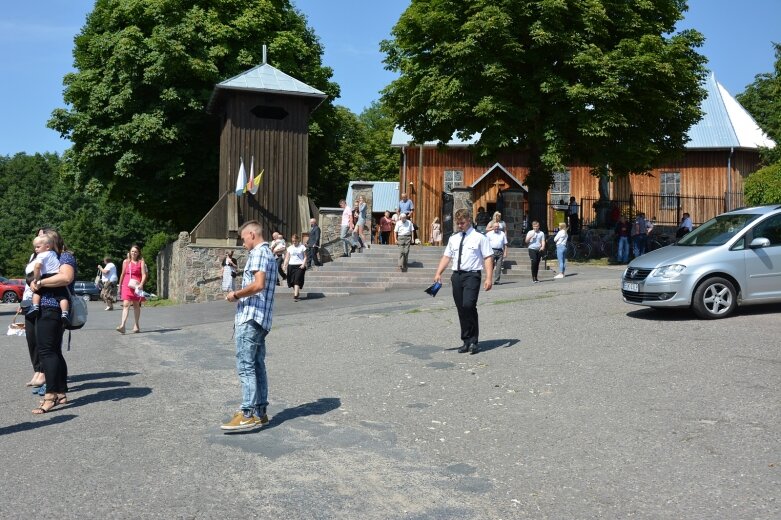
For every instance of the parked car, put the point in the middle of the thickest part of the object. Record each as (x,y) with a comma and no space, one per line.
(11,290)
(87,290)
(733,259)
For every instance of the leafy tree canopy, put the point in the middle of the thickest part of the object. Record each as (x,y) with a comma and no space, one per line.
(145,70)
(764,186)
(92,225)
(763,101)
(605,82)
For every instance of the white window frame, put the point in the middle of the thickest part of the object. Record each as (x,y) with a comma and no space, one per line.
(669,190)
(452,179)
(561,180)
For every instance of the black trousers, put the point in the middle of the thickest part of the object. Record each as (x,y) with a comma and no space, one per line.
(45,335)
(313,255)
(535,256)
(466,288)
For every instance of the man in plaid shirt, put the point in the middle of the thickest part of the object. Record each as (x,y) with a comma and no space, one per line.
(251,326)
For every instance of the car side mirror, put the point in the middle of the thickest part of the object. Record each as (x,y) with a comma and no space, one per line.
(759,243)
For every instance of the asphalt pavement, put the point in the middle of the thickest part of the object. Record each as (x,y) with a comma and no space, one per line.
(578,406)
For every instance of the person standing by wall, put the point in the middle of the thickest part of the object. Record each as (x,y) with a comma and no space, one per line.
(229,271)
(561,249)
(313,244)
(573,214)
(640,235)
(536,242)
(403,234)
(108,277)
(278,248)
(470,254)
(622,232)
(405,206)
(346,229)
(436,232)
(251,326)
(386,227)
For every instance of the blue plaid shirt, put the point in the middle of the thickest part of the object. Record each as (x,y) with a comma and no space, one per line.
(258,307)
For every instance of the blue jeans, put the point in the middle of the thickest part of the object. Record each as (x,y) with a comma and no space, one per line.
(640,243)
(623,250)
(251,366)
(347,239)
(560,254)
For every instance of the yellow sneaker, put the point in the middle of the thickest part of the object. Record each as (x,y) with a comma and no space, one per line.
(241,422)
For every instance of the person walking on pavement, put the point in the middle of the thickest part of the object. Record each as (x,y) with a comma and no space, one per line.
(251,326)
(403,232)
(313,245)
(109,278)
(470,254)
(498,240)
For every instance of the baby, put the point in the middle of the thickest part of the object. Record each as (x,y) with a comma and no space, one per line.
(43,264)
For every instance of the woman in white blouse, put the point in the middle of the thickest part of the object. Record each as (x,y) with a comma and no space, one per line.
(295,265)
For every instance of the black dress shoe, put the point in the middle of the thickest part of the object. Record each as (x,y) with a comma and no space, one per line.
(464,349)
(473,349)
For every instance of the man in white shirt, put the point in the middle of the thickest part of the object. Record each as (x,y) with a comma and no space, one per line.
(403,232)
(108,277)
(498,240)
(685,227)
(346,231)
(470,253)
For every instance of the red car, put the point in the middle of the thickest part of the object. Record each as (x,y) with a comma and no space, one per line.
(11,290)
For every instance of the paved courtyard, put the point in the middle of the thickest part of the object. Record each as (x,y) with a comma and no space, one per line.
(579,406)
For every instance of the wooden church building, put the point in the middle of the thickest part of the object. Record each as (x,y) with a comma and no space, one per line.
(264,124)
(707,180)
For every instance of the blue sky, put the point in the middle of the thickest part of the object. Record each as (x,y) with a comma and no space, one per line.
(36,40)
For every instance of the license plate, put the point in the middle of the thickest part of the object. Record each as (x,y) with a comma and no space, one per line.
(632,287)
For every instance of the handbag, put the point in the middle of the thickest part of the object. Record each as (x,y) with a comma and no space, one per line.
(78,311)
(16,329)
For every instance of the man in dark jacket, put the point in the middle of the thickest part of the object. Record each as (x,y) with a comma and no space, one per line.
(313,244)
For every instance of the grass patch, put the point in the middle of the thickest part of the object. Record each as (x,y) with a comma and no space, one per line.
(160,302)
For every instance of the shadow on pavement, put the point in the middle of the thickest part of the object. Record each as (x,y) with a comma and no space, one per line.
(98,375)
(30,425)
(97,384)
(116,394)
(496,343)
(319,407)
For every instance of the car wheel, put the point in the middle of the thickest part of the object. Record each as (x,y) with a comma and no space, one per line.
(85,297)
(10,297)
(715,298)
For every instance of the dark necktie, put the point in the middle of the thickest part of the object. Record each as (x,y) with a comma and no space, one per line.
(460,249)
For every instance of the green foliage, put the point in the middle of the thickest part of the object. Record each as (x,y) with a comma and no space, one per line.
(763,186)
(92,225)
(763,101)
(599,82)
(152,247)
(380,161)
(145,71)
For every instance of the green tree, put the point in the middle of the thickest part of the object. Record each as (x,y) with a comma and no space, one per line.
(145,70)
(604,82)
(380,161)
(93,226)
(340,137)
(764,186)
(763,101)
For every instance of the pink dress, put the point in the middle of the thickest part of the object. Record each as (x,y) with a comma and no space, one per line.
(132,272)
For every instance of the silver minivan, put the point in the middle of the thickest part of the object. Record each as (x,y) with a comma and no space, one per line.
(734,258)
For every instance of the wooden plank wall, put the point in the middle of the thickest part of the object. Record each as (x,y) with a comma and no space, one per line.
(702,173)
(279,146)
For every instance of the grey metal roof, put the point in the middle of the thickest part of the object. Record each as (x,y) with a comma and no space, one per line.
(385,195)
(725,124)
(265,78)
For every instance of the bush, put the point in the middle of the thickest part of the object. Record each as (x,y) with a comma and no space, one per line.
(152,247)
(763,186)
